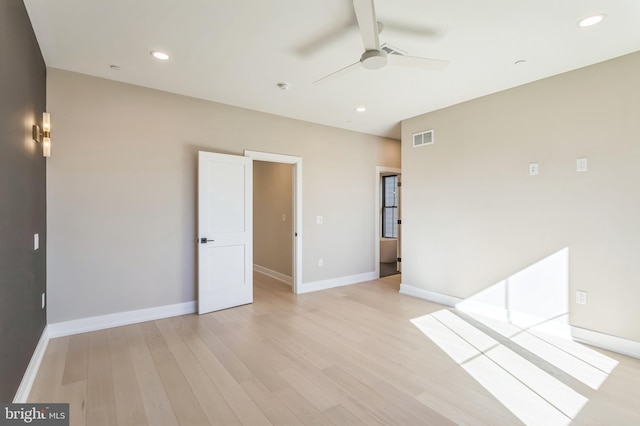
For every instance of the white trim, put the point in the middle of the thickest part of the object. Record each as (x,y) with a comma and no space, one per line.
(606,341)
(431,296)
(273,274)
(380,170)
(22,394)
(101,322)
(297,207)
(336,282)
(582,335)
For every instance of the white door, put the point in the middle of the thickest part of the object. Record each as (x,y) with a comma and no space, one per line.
(225,231)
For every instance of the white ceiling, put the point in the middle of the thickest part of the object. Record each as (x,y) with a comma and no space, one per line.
(236,51)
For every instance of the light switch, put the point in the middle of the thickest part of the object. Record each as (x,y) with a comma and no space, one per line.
(319,219)
(581,164)
(36,241)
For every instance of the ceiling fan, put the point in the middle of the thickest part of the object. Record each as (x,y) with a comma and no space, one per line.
(375,57)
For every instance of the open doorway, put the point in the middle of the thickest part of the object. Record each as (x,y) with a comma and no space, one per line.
(277,216)
(388,222)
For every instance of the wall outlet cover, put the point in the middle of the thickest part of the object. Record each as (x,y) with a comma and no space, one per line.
(581,297)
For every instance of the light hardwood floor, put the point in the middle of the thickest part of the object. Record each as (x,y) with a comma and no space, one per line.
(344,356)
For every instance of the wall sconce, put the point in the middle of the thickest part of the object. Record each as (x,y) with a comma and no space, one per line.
(45,134)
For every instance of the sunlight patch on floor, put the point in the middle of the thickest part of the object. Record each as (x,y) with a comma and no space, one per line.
(503,335)
(530,393)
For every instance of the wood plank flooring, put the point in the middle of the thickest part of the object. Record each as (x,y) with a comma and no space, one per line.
(345,356)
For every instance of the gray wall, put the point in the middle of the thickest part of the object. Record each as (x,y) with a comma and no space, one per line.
(472,216)
(22,196)
(122,184)
(272,216)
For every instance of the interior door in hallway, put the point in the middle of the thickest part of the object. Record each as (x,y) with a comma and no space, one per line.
(225,231)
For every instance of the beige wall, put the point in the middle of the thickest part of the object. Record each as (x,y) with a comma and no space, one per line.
(472,216)
(272,216)
(122,183)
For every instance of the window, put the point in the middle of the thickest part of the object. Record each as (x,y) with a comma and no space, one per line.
(390,206)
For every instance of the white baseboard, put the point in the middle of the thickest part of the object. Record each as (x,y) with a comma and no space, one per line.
(606,341)
(273,274)
(22,394)
(101,322)
(582,335)
(431,296)
(336,282)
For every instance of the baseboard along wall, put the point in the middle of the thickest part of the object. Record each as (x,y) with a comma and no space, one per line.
(22,394)
(601,340)
(594,338)
(336,282)
(102,322)
(274,274)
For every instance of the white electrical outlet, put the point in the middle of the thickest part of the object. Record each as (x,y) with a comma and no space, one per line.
(581,297)
(320,263)
(581,164)
(533,169)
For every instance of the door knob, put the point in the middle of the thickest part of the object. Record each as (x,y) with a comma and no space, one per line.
(205,241)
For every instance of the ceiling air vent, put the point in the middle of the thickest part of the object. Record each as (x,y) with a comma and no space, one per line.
(423,138)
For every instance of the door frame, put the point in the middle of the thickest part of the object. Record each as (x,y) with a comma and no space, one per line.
(381,171)
(297,207)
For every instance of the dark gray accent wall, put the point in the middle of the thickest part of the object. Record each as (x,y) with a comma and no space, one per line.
(22,195)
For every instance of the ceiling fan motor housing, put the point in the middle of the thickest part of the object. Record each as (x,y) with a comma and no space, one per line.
(374,59)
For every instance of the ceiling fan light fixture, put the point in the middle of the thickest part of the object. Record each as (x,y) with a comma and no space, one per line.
(591,20)
(373,59)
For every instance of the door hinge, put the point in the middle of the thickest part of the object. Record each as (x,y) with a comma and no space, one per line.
(399,184)
(399,259)
(399,222)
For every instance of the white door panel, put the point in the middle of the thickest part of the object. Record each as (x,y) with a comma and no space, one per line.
(225,222)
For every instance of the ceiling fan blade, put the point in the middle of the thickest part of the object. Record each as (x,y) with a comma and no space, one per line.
(416,62)
(340,72)
(366,16)
(413,30)
(322,41)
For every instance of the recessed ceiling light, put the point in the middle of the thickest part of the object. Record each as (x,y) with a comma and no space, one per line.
(283,86)
(115,67)
(520,62)
(160,55)
(591,20)
(361,109)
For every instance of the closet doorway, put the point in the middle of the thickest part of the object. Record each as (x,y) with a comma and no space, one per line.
(277,239)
